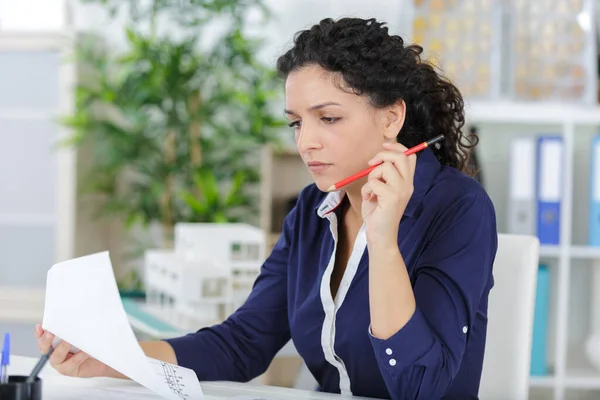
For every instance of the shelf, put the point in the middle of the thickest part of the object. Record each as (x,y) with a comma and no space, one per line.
(575,252)
(549,251)
(575,379)
(582,382)
(585,252)
(542,381)
(283,176)
(531,112)
(581,375)
(570,382)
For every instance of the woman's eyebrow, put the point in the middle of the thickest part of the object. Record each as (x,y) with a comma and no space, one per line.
(315,107)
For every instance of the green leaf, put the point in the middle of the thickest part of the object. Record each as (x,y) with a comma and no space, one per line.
(208,186)
(198,207)
(234,197)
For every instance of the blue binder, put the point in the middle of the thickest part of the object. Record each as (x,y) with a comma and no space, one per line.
(549,188)
(539,344)
(594,222)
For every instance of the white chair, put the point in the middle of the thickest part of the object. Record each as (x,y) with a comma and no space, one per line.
(506,365)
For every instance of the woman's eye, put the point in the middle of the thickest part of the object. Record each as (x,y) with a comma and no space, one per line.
(329,120)
(294,124)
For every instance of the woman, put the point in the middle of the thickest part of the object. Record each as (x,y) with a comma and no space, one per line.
(383,285)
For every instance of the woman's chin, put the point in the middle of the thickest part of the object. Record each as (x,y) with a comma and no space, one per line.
(323,184)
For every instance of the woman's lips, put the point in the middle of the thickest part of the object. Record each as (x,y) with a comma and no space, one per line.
(317,166)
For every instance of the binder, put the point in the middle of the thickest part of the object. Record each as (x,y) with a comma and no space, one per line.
(522,200)
(539,342)
(549,188)
(594,217)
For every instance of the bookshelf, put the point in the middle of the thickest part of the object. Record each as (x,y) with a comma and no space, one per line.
(283,175)
(571,373)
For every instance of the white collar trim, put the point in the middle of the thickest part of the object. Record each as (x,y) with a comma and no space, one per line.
(330,203)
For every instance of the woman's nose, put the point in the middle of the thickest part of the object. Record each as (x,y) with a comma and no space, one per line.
(307,139)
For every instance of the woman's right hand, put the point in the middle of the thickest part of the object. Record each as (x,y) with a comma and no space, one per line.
(77,364)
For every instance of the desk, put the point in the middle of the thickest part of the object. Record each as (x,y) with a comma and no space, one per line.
(59,387)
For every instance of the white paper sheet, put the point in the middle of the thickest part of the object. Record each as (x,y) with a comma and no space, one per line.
(83,307)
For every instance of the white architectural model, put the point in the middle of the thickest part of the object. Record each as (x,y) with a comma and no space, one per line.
(207,276)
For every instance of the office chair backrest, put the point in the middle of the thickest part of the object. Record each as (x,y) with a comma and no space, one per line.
(506,365)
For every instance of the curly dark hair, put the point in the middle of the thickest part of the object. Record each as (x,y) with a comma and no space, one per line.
(379,65)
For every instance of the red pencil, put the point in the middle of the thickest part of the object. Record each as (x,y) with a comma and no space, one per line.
(367,171)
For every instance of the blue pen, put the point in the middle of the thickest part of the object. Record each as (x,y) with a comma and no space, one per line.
(5,358)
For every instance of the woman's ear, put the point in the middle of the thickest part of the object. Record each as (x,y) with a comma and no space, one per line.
(394,119)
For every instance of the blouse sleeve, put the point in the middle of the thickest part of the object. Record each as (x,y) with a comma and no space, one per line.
(421,360)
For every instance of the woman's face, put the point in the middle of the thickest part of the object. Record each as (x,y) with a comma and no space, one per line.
(337,132)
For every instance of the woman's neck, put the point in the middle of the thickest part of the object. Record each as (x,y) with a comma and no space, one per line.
(354,200)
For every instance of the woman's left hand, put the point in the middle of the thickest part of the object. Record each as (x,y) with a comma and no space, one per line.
(386,193)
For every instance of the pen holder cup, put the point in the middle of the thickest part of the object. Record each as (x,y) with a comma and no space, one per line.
(18,389)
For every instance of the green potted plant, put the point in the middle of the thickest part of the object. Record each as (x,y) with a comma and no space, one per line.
(174,128)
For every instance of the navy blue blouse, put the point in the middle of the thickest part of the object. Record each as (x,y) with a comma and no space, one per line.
(448,240)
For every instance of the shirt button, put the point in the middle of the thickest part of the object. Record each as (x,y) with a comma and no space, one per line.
(392,362)
(388,352)
(465,329)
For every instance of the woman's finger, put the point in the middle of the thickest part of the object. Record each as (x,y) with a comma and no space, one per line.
(387,173)
(399,160)
(366,191)
(45,342)
(73,363)
(395,146)
(38,331)
(382,190)
(60,353)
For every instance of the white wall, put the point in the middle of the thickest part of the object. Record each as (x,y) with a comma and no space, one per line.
(32,15)
(292,16)
(289,16)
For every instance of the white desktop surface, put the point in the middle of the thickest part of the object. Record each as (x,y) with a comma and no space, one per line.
(59,387)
